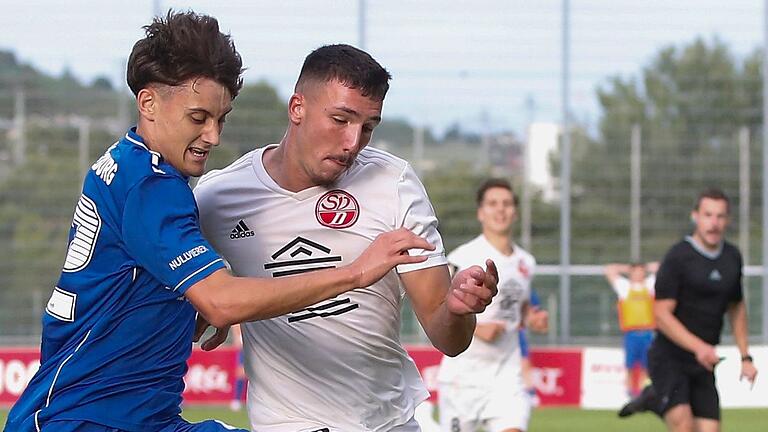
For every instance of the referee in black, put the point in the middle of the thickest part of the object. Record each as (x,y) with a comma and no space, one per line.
(697,283)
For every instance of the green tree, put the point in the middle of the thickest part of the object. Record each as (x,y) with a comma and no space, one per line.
(689,103)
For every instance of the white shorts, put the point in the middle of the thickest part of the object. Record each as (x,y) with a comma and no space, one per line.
(410,426)
(470,409)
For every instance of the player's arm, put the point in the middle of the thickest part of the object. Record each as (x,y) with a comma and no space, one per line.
(671,327)
(612,272)
(446,308)
(652,267)
(737,315)
(224,299)
(535,318)
(489,331)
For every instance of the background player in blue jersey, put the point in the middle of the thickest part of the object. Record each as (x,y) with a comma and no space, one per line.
(119,325)
(525,354)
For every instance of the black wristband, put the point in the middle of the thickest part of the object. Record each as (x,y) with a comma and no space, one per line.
(746,357)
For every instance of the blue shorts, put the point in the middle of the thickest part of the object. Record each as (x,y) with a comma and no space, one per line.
(636,344)
(179,425)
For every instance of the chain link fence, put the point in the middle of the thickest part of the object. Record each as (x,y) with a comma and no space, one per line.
(647,135)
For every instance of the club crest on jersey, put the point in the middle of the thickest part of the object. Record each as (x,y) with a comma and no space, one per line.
(337,209)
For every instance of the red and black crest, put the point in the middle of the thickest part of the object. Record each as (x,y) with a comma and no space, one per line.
(337,209)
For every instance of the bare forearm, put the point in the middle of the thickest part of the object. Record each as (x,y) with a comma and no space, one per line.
(450,333)
(224,299)
(672,328)
(738,317)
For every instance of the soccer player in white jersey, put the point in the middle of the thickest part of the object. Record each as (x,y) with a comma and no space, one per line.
(314,201)
(119,326)
(482,388)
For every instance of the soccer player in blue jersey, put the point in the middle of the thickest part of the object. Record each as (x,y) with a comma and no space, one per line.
(119,326)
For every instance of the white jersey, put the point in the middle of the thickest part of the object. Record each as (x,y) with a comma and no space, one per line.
(338,364)
(622,285)
(485,362)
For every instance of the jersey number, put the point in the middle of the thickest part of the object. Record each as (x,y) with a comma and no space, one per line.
(86,222)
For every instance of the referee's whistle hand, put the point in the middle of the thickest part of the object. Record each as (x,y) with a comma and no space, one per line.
(707,356)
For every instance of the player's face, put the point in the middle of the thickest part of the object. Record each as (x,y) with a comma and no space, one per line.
(711,220)
(334,123)
(497,211)
(186,123)
(637,273)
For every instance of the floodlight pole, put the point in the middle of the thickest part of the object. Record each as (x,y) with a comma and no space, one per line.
(565,186)
(361,24)
(765,175)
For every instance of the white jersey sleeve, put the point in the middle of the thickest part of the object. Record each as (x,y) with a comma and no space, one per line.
(621,287)
(650,284)
(415,212)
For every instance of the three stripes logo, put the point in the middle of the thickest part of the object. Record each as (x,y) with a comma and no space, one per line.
(301,255)
(241,230)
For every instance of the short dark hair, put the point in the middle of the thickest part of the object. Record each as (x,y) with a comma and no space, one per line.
(715,194)
(348,65)
(494,183)
(184,45)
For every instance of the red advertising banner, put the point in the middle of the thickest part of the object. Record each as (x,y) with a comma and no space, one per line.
(17,366)
(211,375)
(427,359)
(557,376)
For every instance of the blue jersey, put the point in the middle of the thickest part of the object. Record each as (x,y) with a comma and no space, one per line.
(117,330)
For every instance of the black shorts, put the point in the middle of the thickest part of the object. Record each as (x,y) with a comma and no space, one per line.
(678,382)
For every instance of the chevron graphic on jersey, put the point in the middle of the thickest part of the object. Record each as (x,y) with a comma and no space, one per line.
(308,260)
(321,310)
(241,230)
(302,255)
(297,241)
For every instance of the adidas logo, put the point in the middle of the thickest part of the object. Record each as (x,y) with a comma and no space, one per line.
(715,275)
(241,230)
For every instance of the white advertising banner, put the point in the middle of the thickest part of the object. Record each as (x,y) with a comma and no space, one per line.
(602,378)
(735,393)
(603,375)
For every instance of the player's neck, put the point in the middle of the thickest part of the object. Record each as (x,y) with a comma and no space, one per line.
(502,242)
(278,166)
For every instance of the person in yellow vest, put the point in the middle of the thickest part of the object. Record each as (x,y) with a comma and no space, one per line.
(634,286)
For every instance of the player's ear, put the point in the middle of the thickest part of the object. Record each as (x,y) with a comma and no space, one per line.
(146,102)
(693,217)
(296,108)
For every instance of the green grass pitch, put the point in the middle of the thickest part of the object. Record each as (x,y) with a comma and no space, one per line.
(543,420)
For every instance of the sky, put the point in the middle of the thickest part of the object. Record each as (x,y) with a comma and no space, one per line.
(483,64)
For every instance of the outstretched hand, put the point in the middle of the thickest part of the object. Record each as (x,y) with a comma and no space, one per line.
(386,252)
(218,338)
(707,356)
(748,371)
(472,289)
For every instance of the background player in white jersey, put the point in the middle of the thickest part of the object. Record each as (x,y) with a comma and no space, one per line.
(316,200)
(118,328)
(483,388)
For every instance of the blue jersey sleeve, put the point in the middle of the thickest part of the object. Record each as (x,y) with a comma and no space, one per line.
(535,301)
(161,231)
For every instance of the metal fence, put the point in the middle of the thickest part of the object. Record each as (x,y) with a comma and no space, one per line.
(659,100)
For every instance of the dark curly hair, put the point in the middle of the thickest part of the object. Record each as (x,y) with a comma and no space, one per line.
(348,65)
(184,45)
